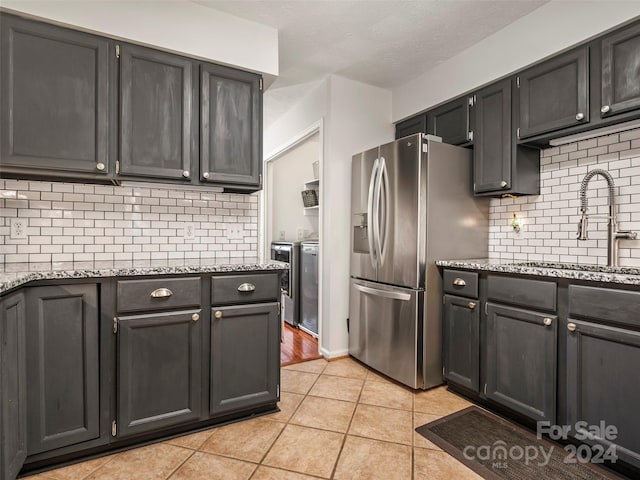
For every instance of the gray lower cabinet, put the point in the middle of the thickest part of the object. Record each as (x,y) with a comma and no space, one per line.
(230,127)
(521,361)
(63,391)
(13,379)
(159,363)
(157,122)
(461,341)
(245,356)
(54,101)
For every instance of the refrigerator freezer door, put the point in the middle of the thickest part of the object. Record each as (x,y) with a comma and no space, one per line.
(384,329)
(400,202)
(364,170)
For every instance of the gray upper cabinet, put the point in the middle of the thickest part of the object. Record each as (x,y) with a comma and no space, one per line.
(159,363)
(54,105)
(230,127)
(157,123)
(62,366)
(417,124)
(461,341)
(621,71)
(13,380)
(554,94)
(245,356)
(451,121)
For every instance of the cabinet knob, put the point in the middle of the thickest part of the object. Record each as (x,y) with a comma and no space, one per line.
(579,116)
(605,109)
(472,305)
(548,321)
(459,282)
(186,174)
(503,184)
(205,175)
(218,314)
(100,166)
(195,317)
(571,327)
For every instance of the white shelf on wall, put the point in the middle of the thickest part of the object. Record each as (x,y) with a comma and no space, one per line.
(311,210)
(312,183)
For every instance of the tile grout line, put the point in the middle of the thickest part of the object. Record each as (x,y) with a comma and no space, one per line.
(181,464)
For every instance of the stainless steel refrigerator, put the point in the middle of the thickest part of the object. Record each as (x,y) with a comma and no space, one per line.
(411,204)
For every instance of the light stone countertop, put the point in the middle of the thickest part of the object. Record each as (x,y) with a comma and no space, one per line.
(594,273)
(14,275)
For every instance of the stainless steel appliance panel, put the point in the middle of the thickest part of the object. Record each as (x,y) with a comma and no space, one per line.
(289,252)
(364,167)
(309,287)
(384,329)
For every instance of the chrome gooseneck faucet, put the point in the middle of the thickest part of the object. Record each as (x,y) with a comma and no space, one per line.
(613,235)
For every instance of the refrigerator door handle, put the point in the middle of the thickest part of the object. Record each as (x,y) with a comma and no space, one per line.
(383,293)
(370,216)
(382,240)
(376,211)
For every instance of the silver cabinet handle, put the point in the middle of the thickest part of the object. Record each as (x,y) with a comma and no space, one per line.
(186,174)
(100,166)
(383,293)
(579,116)
(503,184)
(605,109)
(571,327)
(205,175)
(246,287)
(459,282)
(472,305)
(548,321)
(195,317)
(218,314)
(161,293)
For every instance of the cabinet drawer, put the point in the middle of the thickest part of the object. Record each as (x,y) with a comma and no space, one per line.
(605,304)
(537,294)
(158,294)
(461,283)
(231,289)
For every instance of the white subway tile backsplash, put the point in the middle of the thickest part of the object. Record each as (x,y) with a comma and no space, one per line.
(88,223)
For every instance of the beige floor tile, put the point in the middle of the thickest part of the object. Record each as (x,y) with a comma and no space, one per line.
(193,441)
(204,466)
(338,388)
(324,413)
(374,376)
(268,473)
(312,366)
(296,382)
(245,440)
(77,471)
(288,404)
(439,401)
(365,459)
(420,419)
(433,465)
(154,462)
(387,394)
(305,450)
(381,423)
(345,367)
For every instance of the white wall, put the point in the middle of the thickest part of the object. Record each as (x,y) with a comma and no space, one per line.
(175,25)
(545,31)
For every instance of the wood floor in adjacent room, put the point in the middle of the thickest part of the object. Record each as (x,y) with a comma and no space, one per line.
(298,346)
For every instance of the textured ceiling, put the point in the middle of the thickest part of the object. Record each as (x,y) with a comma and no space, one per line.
(380,42)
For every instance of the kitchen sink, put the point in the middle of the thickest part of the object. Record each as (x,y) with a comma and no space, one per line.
(582,267)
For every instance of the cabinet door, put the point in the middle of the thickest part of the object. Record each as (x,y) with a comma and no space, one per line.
(230,126)
(159,365)
(555,94)
(450,121)
(156,113)
(521,361)
(602,386)
(245,357)
(13,379)
(417,124)
(54,100)
(461,341)
(621,71)
(492,139)
(62,366)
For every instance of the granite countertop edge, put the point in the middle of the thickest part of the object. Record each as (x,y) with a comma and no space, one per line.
(500,266)
(12,280)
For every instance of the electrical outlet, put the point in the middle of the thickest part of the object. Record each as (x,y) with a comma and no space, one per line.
(300,233)
(233,232)
(283,234)
(190,231)
(18,228)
